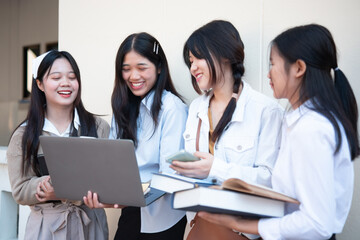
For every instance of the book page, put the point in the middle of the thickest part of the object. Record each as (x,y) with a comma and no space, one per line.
(235,184)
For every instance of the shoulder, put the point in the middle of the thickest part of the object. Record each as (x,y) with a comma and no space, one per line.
(172,102)
(197,102)
(312,121)
(313,127)
(17,134)
(14,146)
(102,127)
(260,100)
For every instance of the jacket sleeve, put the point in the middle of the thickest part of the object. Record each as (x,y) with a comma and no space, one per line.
(23,183)
(103,128)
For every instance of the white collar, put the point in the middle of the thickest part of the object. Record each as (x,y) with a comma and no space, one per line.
(49,127)
(294,115)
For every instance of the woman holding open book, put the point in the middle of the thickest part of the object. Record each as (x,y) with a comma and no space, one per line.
(148,110)
(319,139)
(232,128)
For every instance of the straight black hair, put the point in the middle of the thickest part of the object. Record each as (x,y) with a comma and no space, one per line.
(125,104)
(36,113)
(215,42)
(333,98)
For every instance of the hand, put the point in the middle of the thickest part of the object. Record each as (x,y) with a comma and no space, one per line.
(233,222)
(197,169)
(91,200)
(45,191)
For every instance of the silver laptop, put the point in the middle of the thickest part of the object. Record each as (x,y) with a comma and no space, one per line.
(105,166)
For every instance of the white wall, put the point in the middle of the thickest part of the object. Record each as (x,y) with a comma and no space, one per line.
(22,23)
(93,30)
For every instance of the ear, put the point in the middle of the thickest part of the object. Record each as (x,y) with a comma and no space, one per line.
(39,84)
(300,68)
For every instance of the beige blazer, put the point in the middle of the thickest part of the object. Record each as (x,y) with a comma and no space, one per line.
(65,220)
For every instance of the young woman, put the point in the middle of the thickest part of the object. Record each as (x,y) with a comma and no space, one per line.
(148,110)
(237,129)
(319,139)
(55,109)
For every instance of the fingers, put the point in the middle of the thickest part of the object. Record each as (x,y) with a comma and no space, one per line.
(201,155)
(88,200)
(40,199)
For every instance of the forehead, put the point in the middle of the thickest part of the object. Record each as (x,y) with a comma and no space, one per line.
(133,57)
(61,64)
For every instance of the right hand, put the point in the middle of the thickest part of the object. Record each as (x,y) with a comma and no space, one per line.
(91,200)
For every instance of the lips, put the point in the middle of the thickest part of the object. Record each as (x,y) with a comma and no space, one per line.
(198,76)
(65,93)
(136,85)
(271,85)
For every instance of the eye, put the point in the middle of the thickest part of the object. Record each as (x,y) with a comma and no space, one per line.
(125,70)
(270,65)
(72,76)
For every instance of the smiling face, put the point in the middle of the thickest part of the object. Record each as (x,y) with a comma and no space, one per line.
(199,69)
(139,73)
(59,84)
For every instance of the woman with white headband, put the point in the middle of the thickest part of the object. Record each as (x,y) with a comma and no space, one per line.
(55,109)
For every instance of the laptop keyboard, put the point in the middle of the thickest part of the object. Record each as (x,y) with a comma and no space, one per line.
(148,195)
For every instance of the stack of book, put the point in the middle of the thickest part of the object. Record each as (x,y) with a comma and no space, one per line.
(234,196)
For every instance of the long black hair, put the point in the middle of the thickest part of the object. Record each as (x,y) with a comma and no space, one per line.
(214,42)
(333,98)
(36,113)
(125,104)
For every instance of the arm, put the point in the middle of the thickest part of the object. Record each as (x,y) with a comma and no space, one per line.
(172,127)
(23,183)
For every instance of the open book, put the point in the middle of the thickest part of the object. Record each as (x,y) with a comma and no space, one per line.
(239,185)
(234,197)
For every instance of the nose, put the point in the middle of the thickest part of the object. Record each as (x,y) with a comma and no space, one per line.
(268,75)
(65,81)
(193,67)
(134,75)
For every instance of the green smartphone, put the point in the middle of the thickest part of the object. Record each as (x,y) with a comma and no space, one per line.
(182,155)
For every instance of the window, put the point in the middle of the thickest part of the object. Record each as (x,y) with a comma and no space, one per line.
(29,53)
(51,46)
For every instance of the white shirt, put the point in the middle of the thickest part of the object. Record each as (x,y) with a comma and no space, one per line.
(249,144)
(153,148)
(308,170)
(49,127)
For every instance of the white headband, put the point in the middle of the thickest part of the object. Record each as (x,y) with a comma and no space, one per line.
(36,63)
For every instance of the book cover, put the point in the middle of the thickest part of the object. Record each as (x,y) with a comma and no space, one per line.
(234,197)
(229,202)
(171,183)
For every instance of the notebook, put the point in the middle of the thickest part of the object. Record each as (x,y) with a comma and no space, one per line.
(105,166)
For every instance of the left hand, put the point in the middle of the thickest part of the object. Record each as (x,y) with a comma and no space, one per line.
(45,191)
(197,169)
(233,222)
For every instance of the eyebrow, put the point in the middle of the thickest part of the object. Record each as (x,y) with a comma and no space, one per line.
(139,64)
(60,72)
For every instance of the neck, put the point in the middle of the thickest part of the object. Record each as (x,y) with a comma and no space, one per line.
(224,89)
(60,117)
